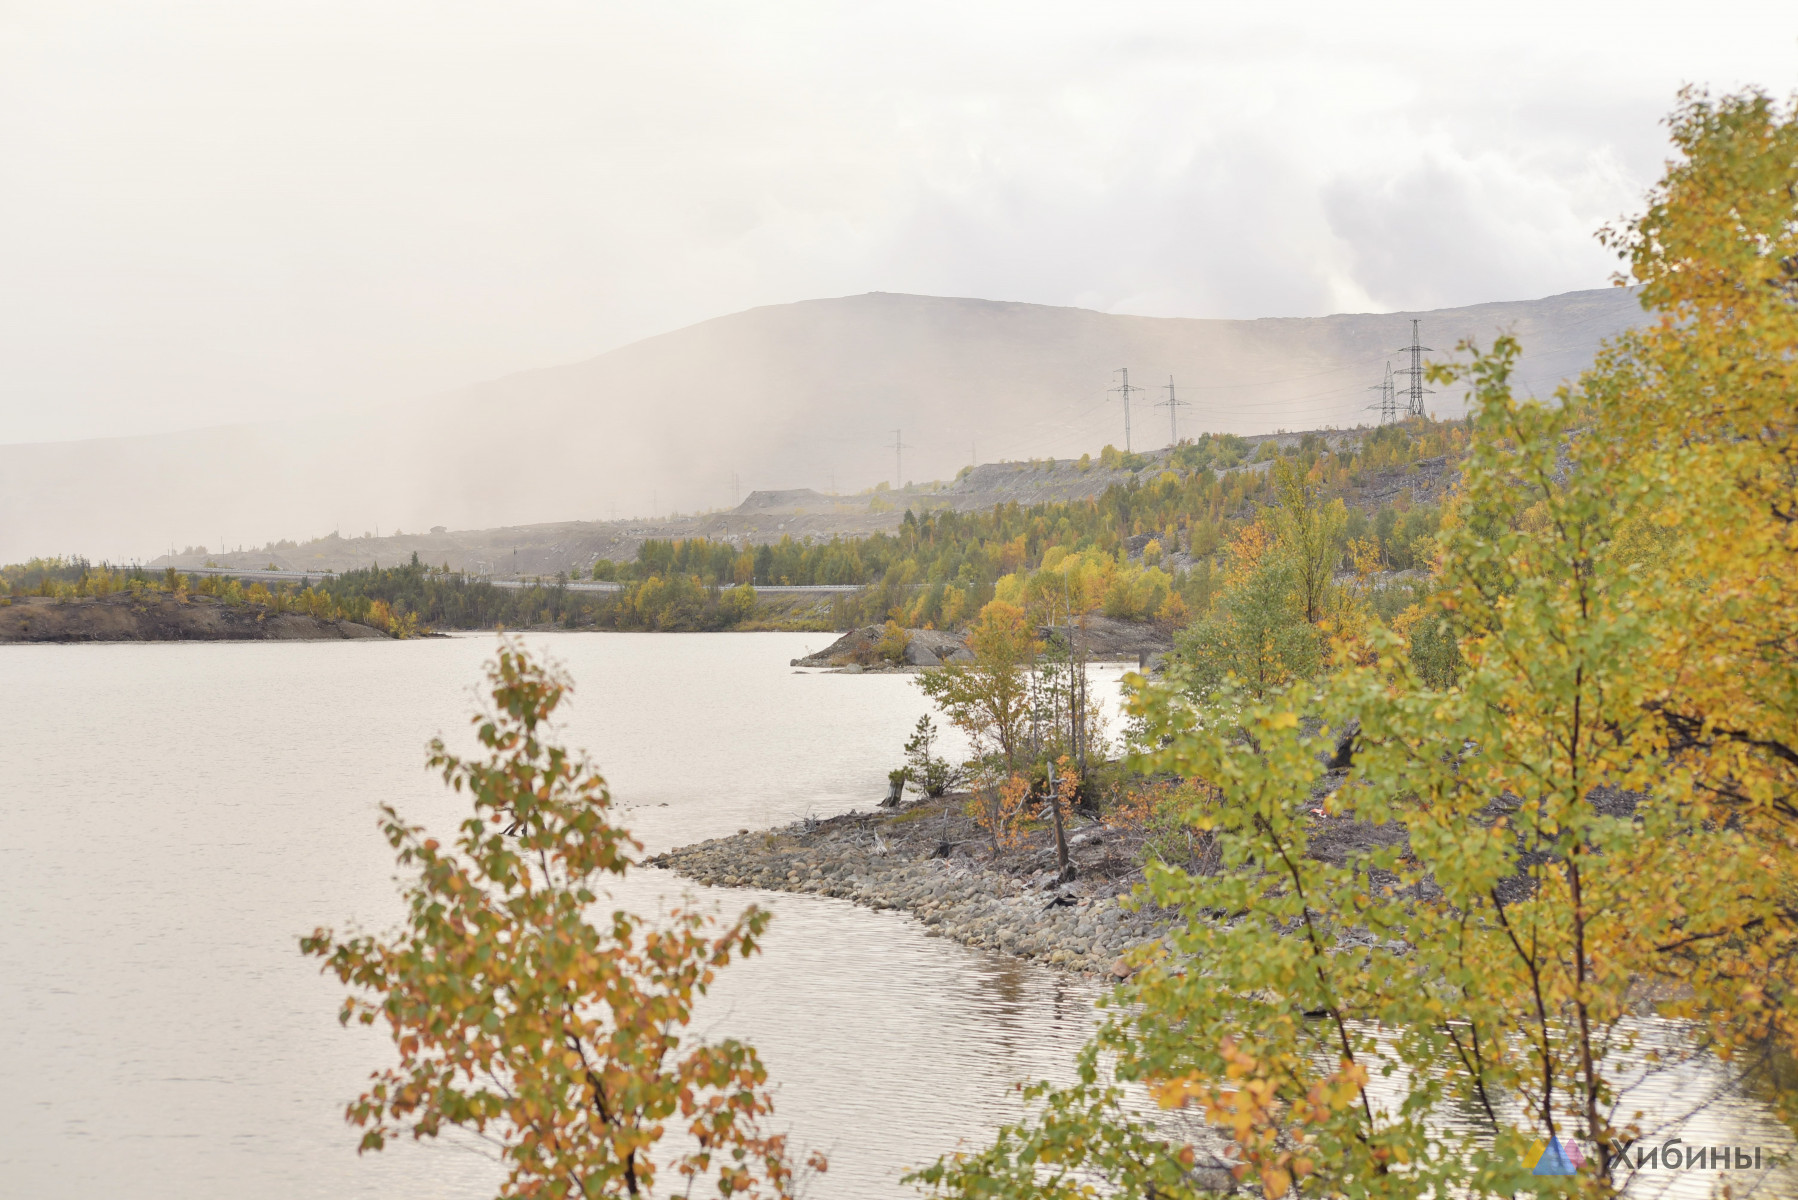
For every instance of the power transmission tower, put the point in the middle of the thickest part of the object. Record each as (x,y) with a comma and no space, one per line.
(1125,389)
(1388,404)
(899,449)
(1415,391)
(1173,406)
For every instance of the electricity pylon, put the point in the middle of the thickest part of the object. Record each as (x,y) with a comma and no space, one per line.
(899,449)
(1173,406)
(1125,389)
(1415,391)
(1388,404)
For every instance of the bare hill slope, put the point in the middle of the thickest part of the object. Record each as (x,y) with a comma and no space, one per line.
(790,396)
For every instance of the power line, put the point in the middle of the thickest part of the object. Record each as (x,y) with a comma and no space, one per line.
(1074,422)
(1125,389)
(1173,406)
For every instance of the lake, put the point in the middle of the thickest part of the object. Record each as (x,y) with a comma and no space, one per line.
(177,815)
(174,816)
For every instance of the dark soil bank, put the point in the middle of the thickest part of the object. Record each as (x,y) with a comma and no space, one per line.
(160,617)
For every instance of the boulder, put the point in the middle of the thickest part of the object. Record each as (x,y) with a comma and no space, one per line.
(940,645)
(1103,638)
(856,646)
(859,647)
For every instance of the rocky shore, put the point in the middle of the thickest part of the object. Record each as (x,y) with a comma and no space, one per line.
(930,858)
(860,650)
(1100,638)
(932,861)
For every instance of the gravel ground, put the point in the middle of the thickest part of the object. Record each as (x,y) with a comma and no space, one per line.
(932,860)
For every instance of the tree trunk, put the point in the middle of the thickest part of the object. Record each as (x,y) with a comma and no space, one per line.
(1062,861)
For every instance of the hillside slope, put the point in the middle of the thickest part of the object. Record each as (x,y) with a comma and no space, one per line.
(549,548)
(801,395)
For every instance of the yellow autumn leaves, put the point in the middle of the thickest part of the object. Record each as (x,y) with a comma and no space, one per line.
(515,1015)
(1583,818)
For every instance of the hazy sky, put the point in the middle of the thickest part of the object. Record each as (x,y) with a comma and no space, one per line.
(225,211)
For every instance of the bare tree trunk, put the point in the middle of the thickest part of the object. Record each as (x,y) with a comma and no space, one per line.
(993,815)
(1087,800)
(1065,867)
(1076,685)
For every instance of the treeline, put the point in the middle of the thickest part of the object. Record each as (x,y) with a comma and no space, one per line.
(76,578)
(1157,537)
(1154,548)
(415,598)
(443,599)
(69,577)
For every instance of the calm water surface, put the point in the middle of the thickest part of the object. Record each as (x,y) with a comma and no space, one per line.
(175,816)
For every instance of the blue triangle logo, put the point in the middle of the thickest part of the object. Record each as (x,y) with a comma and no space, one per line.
(1554,1160)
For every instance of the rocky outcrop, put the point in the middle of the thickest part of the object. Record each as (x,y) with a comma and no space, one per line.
(861,648)
(1101,639)
(161,617)
(1107,639)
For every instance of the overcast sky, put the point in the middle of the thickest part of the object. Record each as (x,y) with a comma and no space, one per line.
(225,211)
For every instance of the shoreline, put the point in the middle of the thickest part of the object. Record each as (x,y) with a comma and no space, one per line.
(929,859)
(160,617)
